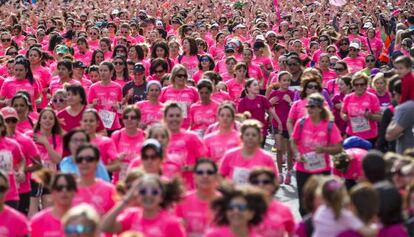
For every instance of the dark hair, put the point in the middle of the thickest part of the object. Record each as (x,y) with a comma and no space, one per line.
(77,89)
(68,136)
(205,161)
(93,147)
(109,64)
(210,59)
(54,40)
(249,82)
(256,172)
(390,204)
(118,47)
(160,44)
(347,80)
(304,83)
(193,46)
(3,124)
(67,64)
(373,165)
(212,76)
(83,40)
(171,105)
(254,197)
(158,62)
(204,83)
(366,201)
(56,127)
(95,52)
(23,61)
(404,60)
(94,112)
(106,41)
(25,96)
(49,179)
(140,51)
(172,190)
(134,109)
(125,73)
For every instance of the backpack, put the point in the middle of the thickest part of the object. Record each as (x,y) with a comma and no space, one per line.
(302,123)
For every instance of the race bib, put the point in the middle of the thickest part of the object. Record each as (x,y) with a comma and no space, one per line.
(240,175)
(107,117)
(123,171)
(49,164)
(359,124)
(6,161)
(314,161)
(183,107)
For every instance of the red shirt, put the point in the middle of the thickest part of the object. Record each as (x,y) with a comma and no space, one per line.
(407,88)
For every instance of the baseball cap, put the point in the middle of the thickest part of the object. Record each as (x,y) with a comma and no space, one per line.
(78,64)
(228,48)
(354,45)
(9,112)
(239,26)
(367,25)
(356,142)
(270,33)
(139,67)
(62,49)
(315,101)
(260,38)
(154,144)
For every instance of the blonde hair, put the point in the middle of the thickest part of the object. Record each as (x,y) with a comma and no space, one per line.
(377,77)
(85,211)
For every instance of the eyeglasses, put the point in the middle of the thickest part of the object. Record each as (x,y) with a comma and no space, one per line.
(149,191)
(239,207)
(205,60)
(359,84)
(60,188)
(130,117)
(3,188)
(309,86)
(118,63)
(11,120)
(12,53)
(87,159)
(5,40)
(261,182)
(205,172)
(339,69)
(181,75)
(146,157)
(60,100)
(78,229)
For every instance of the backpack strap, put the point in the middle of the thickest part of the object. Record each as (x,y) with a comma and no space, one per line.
(307,220)
(301,124)
(330,125)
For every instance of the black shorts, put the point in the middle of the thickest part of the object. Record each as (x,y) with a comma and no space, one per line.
(285,134)
(37,190)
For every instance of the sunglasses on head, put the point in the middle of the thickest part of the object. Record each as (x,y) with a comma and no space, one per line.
(205,172)
(149,191)
(87,159)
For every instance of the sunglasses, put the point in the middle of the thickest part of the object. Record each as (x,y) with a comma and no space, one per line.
(181,75)
(359,84)
(87,159)
(339,69)
(5,40)
(12,53)
(312,87)
(205,60)
(239,207)
(205,172)
(60,188)
(3,189)
(130,117)
(78,229)
(60,100)
(149,191)
(11,120)
(261,182)
(344,44)
(370,60)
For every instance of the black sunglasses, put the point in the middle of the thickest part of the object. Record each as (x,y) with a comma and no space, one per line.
(88,159)
(60,188)
(60,100)
(261,182)
(205,172)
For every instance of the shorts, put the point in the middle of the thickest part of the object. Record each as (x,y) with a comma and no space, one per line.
(37,190)
(285,134)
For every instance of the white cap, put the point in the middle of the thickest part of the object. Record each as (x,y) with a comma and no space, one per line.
(270,33)
(367,25)
(239,26)
(354,45)
(260,38)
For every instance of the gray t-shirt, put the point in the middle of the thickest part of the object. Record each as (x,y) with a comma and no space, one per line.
(404,116)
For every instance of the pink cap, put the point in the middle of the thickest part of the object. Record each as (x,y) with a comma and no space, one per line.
(9,112)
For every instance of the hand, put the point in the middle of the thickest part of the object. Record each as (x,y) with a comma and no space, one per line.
(40,139)
(287,98)
(368,115)
(274,100)
(95,102)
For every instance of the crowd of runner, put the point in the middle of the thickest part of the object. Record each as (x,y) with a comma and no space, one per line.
(150,118)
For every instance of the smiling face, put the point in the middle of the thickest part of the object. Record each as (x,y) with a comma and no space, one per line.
(251,137)
(89,122)
(173,119)
(47,120)
(149,194)
(238,212)
(62,194)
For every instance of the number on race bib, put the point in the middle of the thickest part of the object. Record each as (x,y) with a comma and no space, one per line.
(6,161)
(359,124)
(314,161)
(107,117)
(240,175)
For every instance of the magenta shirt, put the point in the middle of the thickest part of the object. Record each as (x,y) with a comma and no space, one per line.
(257,108)
(282,108)
(354,170)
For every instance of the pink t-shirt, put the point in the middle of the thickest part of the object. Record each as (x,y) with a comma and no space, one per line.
(185,148)
(11,86)
(184,97)
(217,51)
(13,223)
(354,170)
(163,225)
(107,96)
(45,223)
(195,213)
(332,87)
(29,151)
(282,108)
(201,116)
(100,195)
(106,148)
(56,84)
(278,221)
(298,110)
(218,143)
(43,76)
(68,121)
(355,64)
(235,89)
(226,231)
(307,137)
(190,63)
(236,167)
(327,76)
(56,142)
(197,76)
(10,157)
(355,107)
(150,113)
(220,96)
(83,57)
(131,145)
